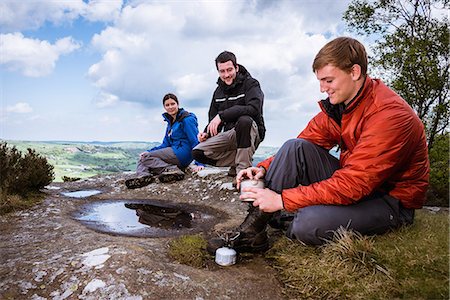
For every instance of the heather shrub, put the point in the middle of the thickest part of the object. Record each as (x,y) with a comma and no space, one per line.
(22,174)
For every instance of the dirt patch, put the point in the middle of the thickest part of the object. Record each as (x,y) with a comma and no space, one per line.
(47,254)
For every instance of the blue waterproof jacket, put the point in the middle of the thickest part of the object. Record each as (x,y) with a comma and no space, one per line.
(181,135)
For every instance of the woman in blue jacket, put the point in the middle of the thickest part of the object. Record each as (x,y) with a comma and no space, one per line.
(167,160)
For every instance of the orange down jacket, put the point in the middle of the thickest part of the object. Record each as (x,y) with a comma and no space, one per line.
(383,148)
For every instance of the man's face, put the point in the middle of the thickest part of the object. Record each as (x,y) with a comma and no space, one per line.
(227,72)
(339,85)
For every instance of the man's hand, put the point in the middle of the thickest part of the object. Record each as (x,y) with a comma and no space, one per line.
(202,136)
(267,200)
(214,125)
(250,173)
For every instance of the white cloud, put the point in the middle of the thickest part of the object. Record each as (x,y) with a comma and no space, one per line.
(192,86)
(149,48)
(105,100)
(102,10)
(159,47)
(23,15)
(19,108)
(33,57)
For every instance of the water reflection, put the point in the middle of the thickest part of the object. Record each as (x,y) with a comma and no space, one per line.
(81,194)
(159,216)
(139,218)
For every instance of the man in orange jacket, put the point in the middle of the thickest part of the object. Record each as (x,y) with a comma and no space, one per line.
(380,179)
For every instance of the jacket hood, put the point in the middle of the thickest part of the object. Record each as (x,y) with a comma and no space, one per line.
(182,114)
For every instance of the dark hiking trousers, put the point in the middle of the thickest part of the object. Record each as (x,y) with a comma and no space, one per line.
(299,162)
(232,148)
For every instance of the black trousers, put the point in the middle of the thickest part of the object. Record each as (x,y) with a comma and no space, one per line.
(299,162)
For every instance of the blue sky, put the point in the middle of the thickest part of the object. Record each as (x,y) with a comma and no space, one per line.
(97,70)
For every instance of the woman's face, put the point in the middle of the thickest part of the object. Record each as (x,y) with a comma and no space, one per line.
(171,107)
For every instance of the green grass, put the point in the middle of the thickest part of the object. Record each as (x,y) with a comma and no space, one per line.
(409,263)
(189,250)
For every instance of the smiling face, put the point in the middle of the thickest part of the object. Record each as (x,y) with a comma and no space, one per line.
(171,107)
(227,72)
(340,86)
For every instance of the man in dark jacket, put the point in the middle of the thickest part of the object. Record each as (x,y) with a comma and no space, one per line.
(237,109)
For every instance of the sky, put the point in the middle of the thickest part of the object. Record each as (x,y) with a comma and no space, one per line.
(76,70)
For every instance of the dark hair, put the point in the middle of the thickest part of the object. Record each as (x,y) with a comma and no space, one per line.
(170,96)
(224,57)
(343,53)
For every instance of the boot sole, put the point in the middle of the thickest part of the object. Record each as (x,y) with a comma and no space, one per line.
(166,178)
(136,183)
(252,249)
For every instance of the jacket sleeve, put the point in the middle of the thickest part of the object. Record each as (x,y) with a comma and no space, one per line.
(191,130)
(253,104)
(384,146)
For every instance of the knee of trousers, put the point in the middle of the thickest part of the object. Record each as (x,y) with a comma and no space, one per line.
(309,227)
(199,155)
(295,143)
(243,123)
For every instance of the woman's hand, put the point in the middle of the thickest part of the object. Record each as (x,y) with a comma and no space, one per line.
(195,169)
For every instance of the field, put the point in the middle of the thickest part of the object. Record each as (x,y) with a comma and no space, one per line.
(86,159)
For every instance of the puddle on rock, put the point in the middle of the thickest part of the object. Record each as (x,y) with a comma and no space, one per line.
(145,218)
(81,194)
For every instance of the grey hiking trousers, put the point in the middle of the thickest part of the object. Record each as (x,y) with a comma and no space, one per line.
(299,162)
(155,162)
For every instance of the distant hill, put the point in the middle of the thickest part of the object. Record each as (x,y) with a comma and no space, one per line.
(85,159)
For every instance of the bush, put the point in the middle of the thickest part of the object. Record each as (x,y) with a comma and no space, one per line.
(438,194)
(22,174)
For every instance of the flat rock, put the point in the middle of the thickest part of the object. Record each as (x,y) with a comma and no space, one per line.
(47,254)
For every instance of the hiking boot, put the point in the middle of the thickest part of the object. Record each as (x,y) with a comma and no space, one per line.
(250,236)
(243,242)
(281,220)
(135,183)
(232,172)
(171,175)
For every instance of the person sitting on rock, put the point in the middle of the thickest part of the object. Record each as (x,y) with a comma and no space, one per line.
(379,181)
(168,160)
(237,109)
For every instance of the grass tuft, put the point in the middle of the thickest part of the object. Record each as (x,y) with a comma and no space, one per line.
(189,250)
(12,203)
(410,263)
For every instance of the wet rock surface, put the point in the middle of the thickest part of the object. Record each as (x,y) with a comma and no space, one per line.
(45,253)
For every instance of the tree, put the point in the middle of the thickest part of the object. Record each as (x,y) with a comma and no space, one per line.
(412,53)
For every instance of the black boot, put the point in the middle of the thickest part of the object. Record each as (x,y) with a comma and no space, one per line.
(138,182)
(250,236)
